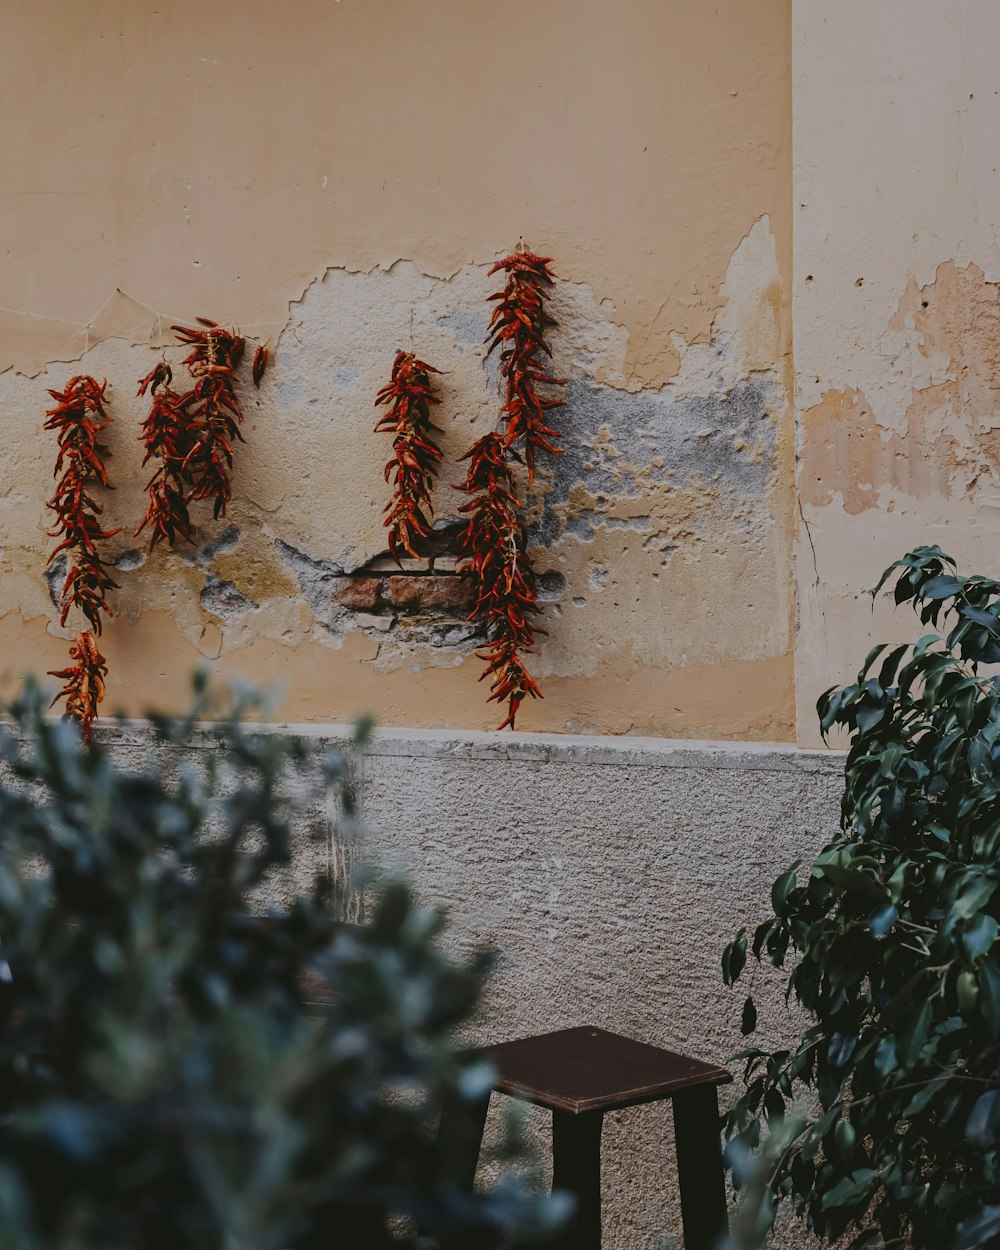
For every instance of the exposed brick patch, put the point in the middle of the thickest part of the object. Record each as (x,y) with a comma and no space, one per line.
(361,594)
(441,593)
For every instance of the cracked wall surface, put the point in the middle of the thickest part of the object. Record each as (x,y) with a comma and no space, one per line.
(281,175)
(661,535)
(896,312)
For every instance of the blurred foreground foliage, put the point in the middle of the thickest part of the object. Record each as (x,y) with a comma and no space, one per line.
(167,1077)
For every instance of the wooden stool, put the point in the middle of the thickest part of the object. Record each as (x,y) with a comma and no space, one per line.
(579,1074)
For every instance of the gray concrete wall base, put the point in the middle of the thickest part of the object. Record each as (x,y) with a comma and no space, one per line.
(608,874)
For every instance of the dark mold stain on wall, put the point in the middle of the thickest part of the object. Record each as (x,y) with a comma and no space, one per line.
(725,440)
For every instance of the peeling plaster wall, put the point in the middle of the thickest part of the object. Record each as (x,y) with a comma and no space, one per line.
(282,173)
(896,309)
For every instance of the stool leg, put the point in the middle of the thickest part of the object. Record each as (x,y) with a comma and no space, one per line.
(699,1167)
(460,1138)
(576,1169)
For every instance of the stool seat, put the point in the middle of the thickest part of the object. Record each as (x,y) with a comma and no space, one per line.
(589,1069)
(579,1075)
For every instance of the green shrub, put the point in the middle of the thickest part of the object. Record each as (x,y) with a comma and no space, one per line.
(163,1079)
(892,1093)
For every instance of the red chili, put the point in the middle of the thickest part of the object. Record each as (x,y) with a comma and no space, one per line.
(409,394)
(518,328)
(78,419)
(84,686)
(259,364)
(192,433)
(494,541)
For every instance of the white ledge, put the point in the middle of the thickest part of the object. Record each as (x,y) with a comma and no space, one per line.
(535,748)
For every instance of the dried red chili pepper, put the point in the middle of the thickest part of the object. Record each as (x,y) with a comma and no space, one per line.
(415,458)
(518,327)
(193,433)
(493,542)
(210,411)
(84,682)
(259,364)
(78,419)
(167,436)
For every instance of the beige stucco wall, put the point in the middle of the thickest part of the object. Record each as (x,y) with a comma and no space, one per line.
(896,309)
(336,179)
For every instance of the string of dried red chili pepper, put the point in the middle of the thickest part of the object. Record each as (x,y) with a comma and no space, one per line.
(83,680)
(192,433)
(409,394)
(518,327)
(167,437)
(211,411)
(78,419)
(493,541)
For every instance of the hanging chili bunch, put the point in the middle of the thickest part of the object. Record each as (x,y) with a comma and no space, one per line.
(78,419)
(518,327)
(192,433)
(212,411)
(84,681)
(409,394)
(493,541)
(167,437)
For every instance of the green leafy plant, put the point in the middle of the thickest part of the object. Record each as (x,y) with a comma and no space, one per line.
(891,1096)
(182,1064)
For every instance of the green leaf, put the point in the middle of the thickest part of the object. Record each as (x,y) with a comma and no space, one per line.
(986,619)
(734,958)
(975,893)
(982,1129)
(978,935)
(842,1047)
(979,1229)
(749,1020)
(854,881)
(882,919)
(989,996)
(850,1191)
(913,1034)
(868,715)
(844,1138)
(885,1055)
(967,991)
(942,587)
(780,891)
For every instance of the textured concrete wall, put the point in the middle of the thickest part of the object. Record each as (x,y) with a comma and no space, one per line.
(607,873)
(896,308)
(337,182)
